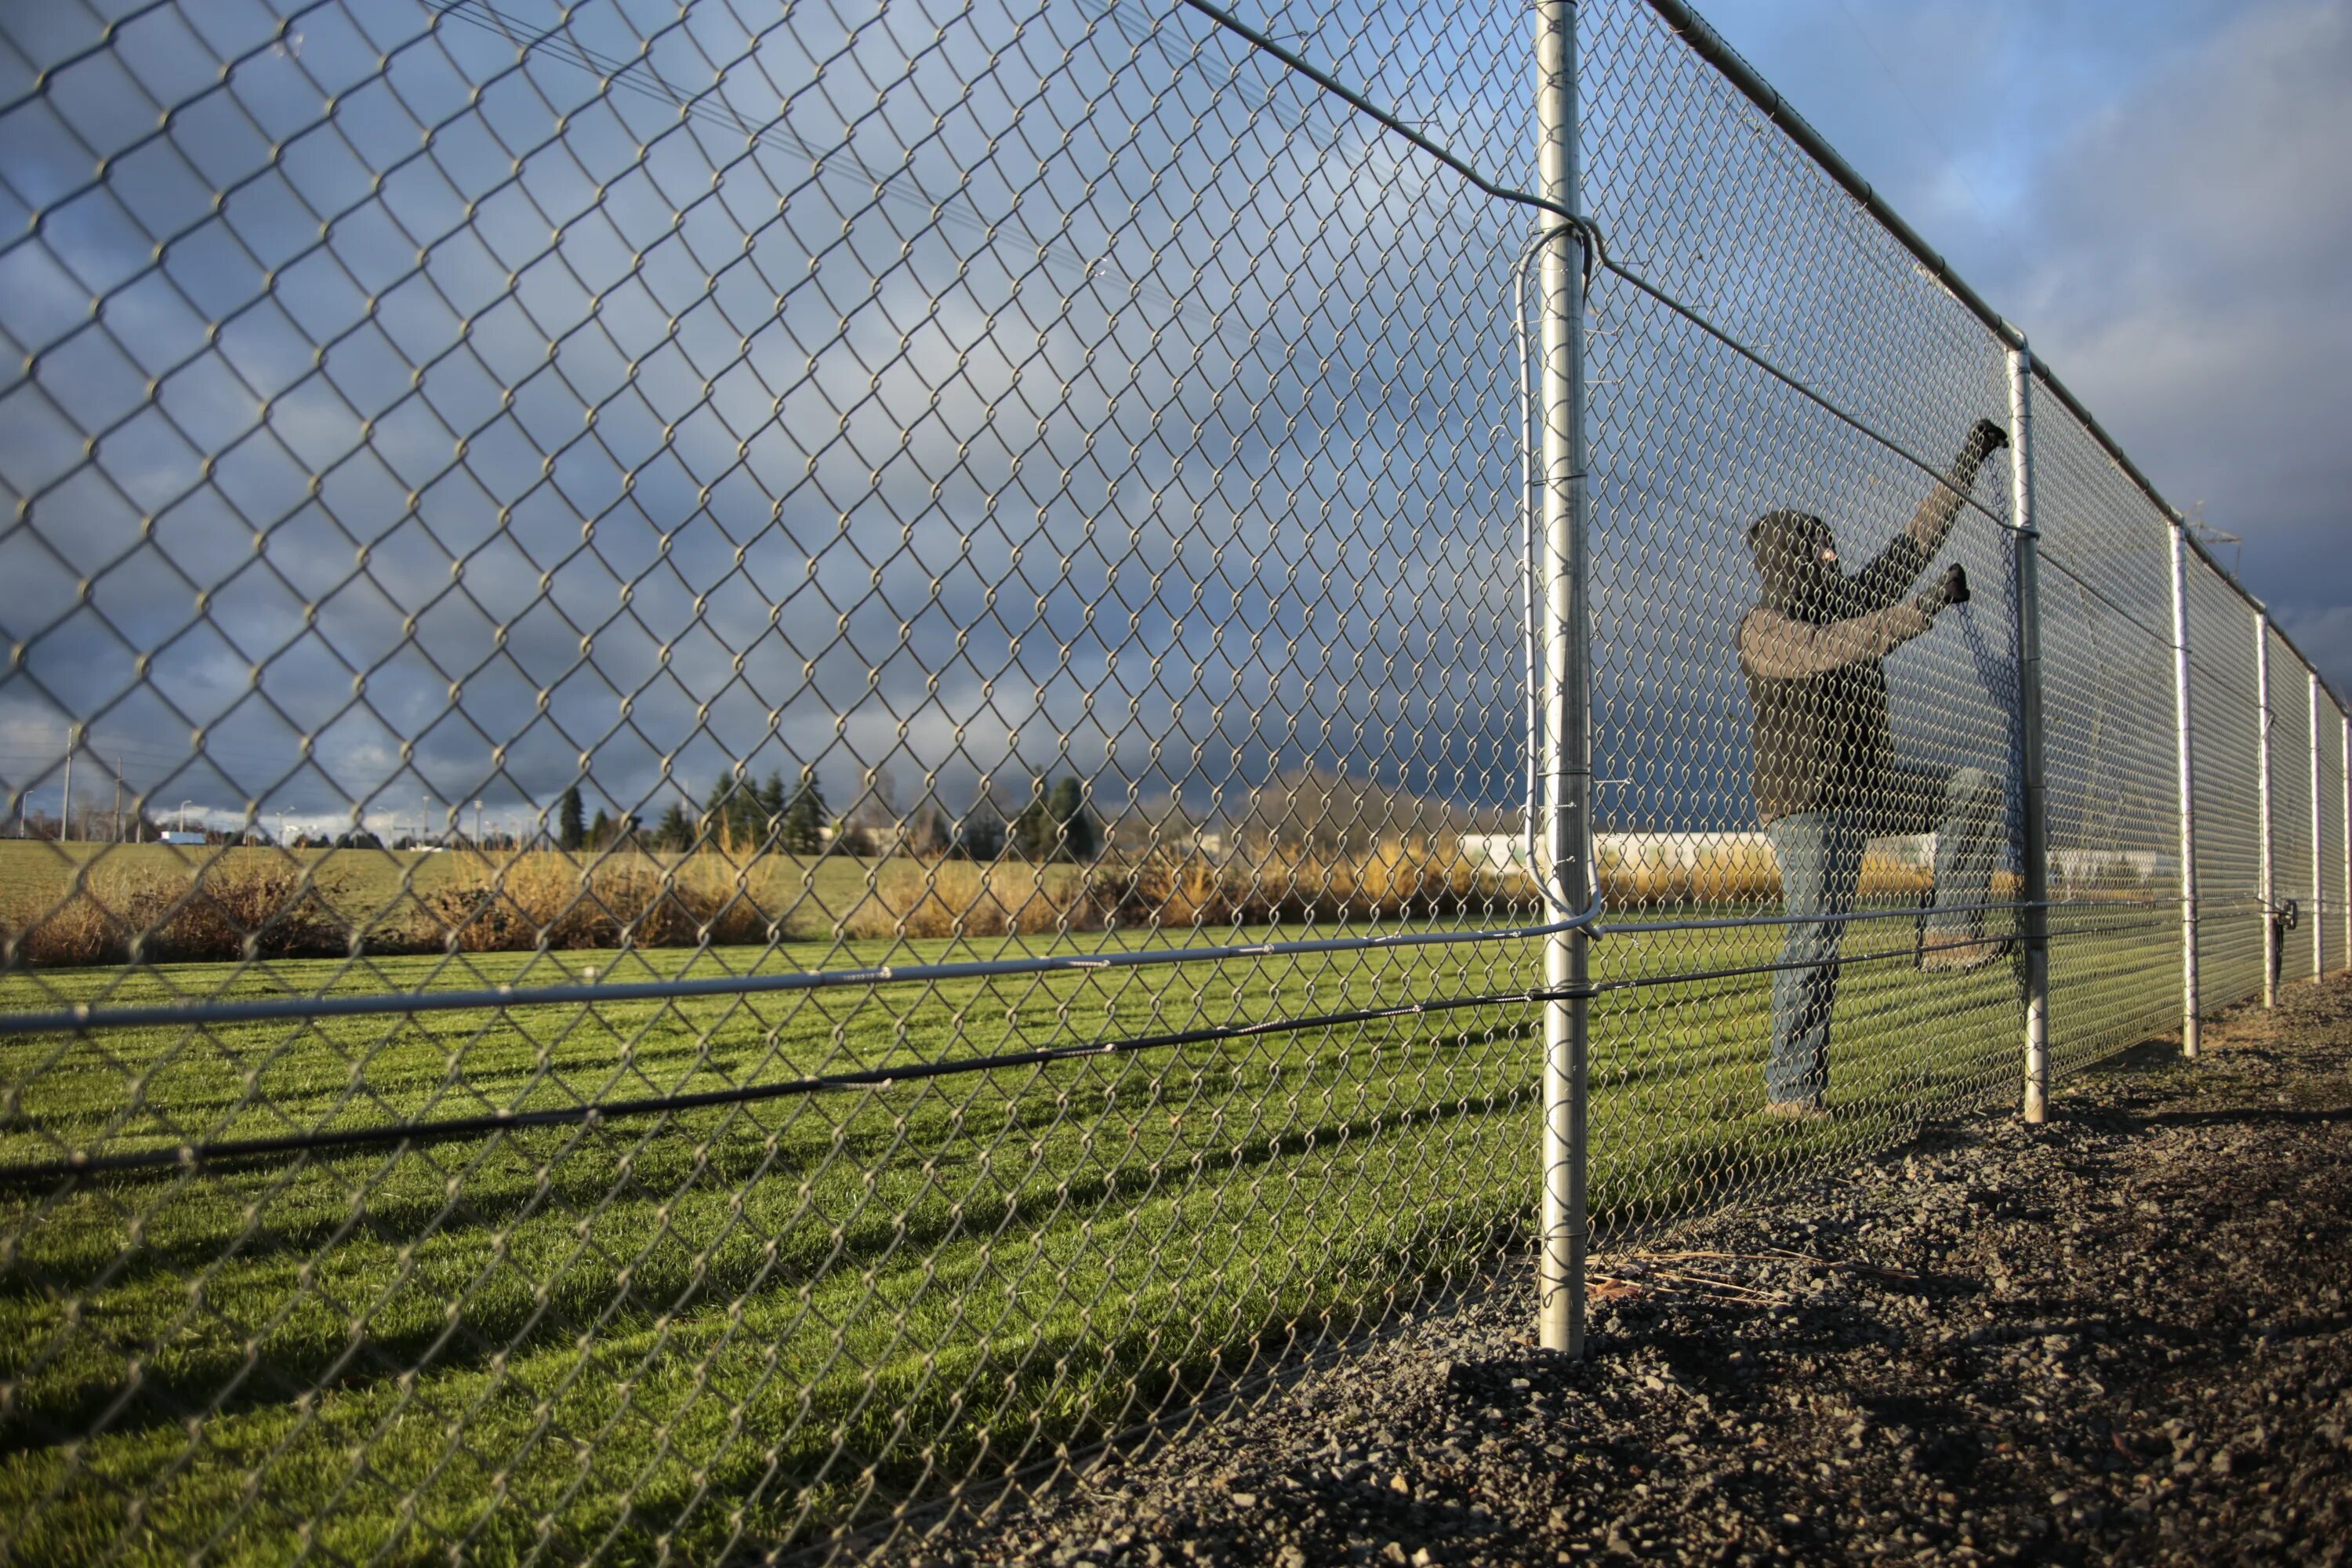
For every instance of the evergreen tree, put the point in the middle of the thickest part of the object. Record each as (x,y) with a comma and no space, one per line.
(1081,835)
(930,835)
(768,804)
(571,823)
(801,821)
(979,836)
(722,811)
(676,832)
(601,834)
(1032,836)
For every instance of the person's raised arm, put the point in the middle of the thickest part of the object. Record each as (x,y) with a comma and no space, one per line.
(1778,647)
(1885,580)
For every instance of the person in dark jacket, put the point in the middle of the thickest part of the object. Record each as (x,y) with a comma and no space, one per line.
(1826,777)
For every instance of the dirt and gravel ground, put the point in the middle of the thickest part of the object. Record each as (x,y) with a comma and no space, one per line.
(2122,1337)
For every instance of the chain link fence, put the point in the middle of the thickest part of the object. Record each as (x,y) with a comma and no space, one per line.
(767,768)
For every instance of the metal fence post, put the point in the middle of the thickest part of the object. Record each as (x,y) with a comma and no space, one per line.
(1561,1285)
(2270,868)
(2318,877)
(2192,1004)
(2035,853)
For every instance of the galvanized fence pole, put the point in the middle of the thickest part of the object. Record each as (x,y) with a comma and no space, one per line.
(2262,776)
(1561,1285)
(2319,838)
(2191,1006)
(2035,853)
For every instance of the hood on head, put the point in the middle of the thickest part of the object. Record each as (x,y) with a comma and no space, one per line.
(1788,547)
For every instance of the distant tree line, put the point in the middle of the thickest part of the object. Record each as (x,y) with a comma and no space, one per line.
(575,833)
(745,814)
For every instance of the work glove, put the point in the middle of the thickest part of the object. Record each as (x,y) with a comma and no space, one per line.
(1985,438)
(1951,588)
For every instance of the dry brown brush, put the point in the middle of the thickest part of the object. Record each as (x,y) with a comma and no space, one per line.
(548,899)
(246,904)
(253,904)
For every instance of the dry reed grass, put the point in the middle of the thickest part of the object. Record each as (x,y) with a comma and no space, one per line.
(245,905)
(973,898)
(233,908)
(1737,872)
(548,899)
(1393,881)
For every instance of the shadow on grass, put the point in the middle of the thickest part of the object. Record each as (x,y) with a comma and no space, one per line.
(323,1348)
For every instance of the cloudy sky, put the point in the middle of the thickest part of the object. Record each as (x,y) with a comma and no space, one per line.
(452,391)
(2158,192)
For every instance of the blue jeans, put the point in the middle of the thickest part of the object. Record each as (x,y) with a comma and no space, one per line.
(1820,863)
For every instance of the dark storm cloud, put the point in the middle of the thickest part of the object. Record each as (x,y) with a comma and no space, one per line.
(680,451)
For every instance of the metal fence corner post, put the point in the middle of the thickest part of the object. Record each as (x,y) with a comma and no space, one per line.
(2192,1004)
(1560,1261)
(2268,851)
(2033,854)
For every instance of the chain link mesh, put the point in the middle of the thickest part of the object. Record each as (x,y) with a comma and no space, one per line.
(2293,806)
(2331,943)
(841,695)
(1730,379)
(2226,717)
(2110,728)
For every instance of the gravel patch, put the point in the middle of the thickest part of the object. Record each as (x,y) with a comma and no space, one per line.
(2119,1338)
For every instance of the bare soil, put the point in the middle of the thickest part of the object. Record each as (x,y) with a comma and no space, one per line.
(2121,1337)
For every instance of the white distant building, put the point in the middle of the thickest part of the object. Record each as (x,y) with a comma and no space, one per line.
(1508,851)
(174,836)
(2081,864)
(1496,851)
(1686,851)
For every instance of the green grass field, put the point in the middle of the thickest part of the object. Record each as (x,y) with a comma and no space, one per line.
(741,1327)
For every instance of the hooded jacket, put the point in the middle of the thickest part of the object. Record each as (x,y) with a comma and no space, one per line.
(1811,653)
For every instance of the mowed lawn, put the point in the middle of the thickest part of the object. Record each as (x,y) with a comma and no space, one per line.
(742,1327)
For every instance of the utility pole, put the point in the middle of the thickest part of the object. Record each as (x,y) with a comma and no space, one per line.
(65,823)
